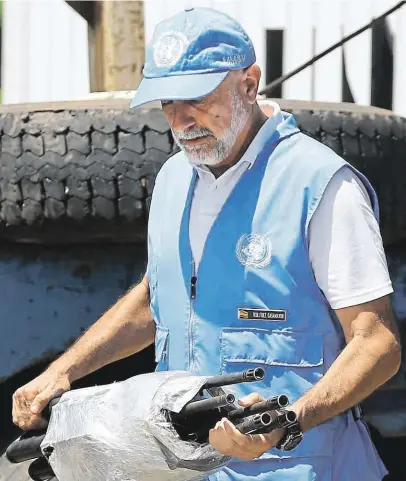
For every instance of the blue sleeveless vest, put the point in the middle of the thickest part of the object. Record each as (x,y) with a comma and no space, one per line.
(254,301)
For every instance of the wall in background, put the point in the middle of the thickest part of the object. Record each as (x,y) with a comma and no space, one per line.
(309,27)
(45,55)
(45,46)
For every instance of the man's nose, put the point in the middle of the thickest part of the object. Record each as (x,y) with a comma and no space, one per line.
(180,116)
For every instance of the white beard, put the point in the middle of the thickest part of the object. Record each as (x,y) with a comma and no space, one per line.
(204,155)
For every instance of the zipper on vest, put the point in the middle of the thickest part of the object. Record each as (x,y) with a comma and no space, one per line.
(193,282)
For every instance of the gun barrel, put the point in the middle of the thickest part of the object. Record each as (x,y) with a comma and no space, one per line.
(28,446)
(195,407)
(40,470)
(282,420)
(259,421)
(250,375)
(271,404)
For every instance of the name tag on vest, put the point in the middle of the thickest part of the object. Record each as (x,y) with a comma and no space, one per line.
(261,314)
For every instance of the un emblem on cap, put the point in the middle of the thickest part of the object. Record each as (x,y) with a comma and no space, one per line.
(169,48)
(254,250)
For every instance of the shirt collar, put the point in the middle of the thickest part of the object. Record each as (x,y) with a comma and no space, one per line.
(258,142)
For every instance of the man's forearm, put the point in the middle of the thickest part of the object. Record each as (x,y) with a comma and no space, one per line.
(126,328)
(366,363)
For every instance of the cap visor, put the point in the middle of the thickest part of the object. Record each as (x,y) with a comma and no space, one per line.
(179,87)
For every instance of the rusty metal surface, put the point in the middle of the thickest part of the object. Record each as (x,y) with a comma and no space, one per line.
(51,295)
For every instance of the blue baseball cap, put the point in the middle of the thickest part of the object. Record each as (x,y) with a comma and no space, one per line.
(190,54)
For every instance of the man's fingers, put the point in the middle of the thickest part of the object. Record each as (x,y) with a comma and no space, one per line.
(40,401)
(229,441)
(20,407)
(251,399)
(30,400)
(15,404)
(20,417)
(245,440)
(220,440)
(32,422)
(38,422)
(43,398)
(27,405)
(236,436)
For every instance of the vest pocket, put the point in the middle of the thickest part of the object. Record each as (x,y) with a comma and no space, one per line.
(161,348)
(293,363)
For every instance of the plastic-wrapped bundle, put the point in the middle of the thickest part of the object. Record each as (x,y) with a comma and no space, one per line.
(155,426)
(121,432)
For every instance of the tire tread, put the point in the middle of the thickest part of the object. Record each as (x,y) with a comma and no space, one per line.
(93,170)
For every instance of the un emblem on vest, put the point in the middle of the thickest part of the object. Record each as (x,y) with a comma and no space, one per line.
(169,48)
(254,250)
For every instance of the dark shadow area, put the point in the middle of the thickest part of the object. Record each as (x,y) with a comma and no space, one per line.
(382,66)
(50,295)
(140,363)
(391,451)
(274,60)
(346,94)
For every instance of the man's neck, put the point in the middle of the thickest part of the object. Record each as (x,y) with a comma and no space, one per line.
(253,126)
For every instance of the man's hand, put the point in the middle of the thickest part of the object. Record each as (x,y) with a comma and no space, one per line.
(30,400)
(126,328)
(226,438)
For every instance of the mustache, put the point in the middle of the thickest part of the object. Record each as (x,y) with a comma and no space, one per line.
(194,133)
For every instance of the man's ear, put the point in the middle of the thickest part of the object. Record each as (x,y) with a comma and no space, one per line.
(251,78)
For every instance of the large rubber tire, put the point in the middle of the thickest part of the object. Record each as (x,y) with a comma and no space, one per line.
(84,172)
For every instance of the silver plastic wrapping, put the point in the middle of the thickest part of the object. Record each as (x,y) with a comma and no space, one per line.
(119,432)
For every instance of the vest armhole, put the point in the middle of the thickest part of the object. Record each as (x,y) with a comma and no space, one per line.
(315,202)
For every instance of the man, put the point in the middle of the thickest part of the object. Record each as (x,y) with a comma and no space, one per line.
(263,249)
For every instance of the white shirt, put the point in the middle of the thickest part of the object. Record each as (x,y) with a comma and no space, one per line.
(345,244)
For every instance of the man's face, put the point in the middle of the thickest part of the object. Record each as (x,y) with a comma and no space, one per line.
(207,129)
